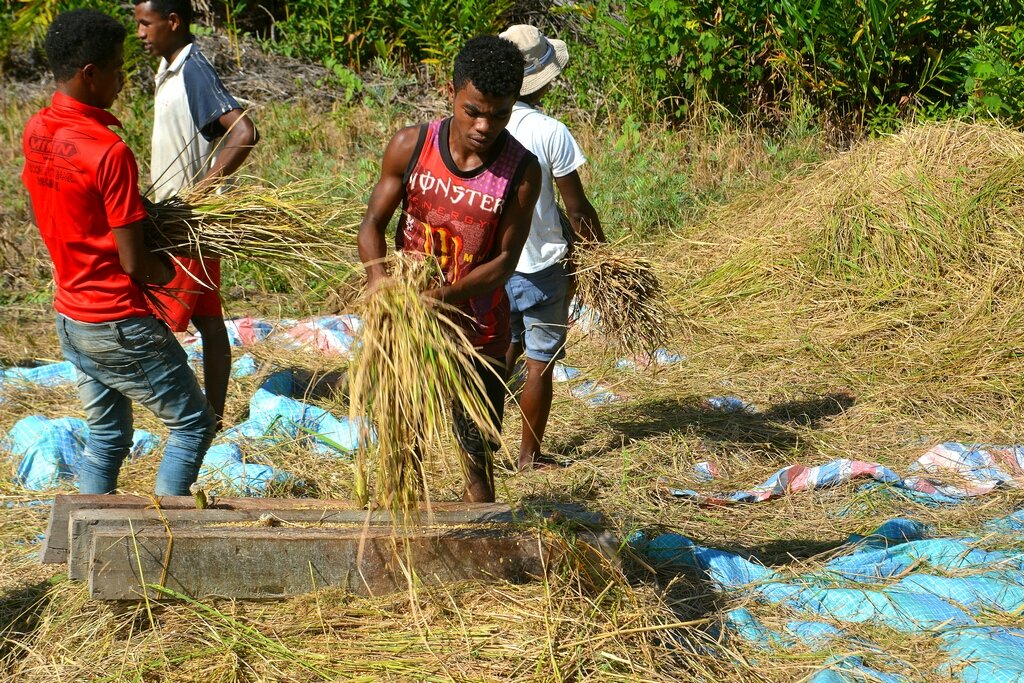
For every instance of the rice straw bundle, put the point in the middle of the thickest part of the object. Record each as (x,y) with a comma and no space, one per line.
(411,363)
(297,229)
(625,294)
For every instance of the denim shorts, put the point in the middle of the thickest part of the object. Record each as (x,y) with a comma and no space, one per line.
(540,311)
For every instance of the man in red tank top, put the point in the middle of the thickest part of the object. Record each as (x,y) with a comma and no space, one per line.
(467,189)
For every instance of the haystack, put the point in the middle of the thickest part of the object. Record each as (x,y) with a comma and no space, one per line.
(898,259)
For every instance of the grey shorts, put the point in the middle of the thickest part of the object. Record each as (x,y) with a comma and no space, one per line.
(540,311)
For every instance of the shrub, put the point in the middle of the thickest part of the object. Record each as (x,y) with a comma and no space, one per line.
(845,59)
(353,32)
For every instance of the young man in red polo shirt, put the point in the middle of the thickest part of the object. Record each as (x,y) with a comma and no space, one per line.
(467,190)
(82,181)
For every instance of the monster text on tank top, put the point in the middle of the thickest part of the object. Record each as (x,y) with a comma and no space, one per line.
(454,215)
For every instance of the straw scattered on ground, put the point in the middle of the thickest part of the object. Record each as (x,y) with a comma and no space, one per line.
(563,628)
(869,307)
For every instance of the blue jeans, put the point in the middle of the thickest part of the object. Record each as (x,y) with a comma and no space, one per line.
(136,359)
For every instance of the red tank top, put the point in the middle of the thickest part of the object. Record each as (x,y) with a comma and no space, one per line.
(454,215)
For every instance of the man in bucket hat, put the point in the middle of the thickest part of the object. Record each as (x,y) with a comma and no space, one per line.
(539,289)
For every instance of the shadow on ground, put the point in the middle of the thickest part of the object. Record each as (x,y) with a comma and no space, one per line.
(776,430)
(20,608)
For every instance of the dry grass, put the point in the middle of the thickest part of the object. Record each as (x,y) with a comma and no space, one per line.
(302,229)
(562,629)
(869,307)
(625,293)
(565,628)
(895,268)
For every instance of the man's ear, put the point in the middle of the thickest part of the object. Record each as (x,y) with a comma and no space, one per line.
(174,20)
(451,91)
(88,73)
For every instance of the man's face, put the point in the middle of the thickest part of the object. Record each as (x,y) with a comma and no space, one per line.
(156,31)
(478,120)
(107,81)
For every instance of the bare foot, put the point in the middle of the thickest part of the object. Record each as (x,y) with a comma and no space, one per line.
(540,462)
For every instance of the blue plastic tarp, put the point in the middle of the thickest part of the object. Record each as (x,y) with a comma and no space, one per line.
(895,578)
(49,450)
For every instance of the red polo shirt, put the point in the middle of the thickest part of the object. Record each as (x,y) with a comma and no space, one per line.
(83,183)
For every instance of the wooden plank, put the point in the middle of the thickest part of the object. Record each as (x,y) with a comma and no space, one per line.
(250,563)
(82,523)
(56,542)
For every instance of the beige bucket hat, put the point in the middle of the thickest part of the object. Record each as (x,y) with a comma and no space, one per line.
(545,57)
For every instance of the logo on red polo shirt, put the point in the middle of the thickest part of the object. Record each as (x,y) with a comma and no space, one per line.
(48,147)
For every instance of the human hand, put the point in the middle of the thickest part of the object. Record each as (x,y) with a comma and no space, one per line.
(166,270)
(376,280)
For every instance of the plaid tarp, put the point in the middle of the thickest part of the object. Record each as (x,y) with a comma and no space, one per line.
(241,332)
(815,635)
(983,468)
(48,450)
(788,480)
(330,334)
(894,578)
(48,375)
(275,418)
(225,468)
(985,654)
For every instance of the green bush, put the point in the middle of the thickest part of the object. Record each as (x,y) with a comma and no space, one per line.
(353,32)
(866,64)
(24,23)
(996,80)
(845,59)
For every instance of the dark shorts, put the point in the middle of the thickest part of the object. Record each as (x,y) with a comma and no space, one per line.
(466,432)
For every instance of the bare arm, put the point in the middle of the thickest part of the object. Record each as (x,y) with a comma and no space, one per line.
(233,150)
(141,264)
(582,215)
(513,230)
(384,199)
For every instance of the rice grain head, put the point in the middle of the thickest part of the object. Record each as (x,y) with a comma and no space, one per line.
(625,293)
(302,229)
(411,364)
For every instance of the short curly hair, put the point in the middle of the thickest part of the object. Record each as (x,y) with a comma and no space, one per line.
(80,37)
(183,8)
(492,64)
